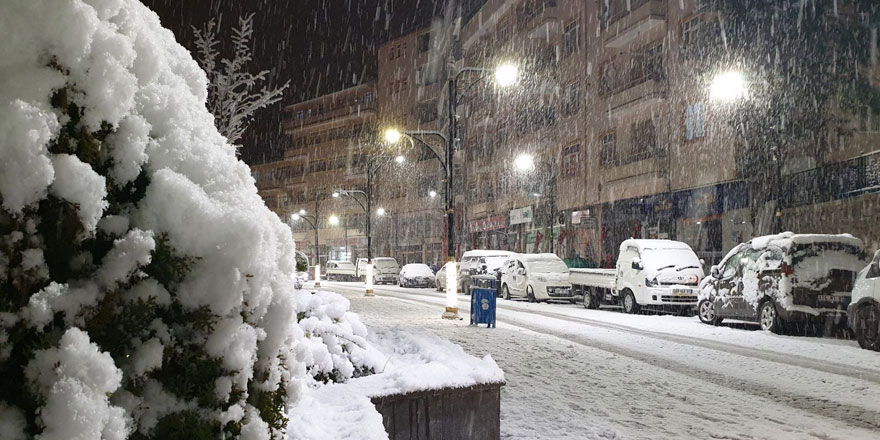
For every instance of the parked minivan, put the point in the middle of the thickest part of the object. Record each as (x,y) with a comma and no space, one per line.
(537,277)
(784,279)
(385,270)
(479,262)
(863,311)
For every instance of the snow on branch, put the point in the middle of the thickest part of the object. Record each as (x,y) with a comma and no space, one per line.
(234,93)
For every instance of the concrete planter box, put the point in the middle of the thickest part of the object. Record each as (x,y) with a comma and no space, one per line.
(449,413)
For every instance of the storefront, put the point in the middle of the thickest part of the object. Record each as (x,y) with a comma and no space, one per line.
(713,219)
(520,224)
(578,238)
(644,217)
(488,233)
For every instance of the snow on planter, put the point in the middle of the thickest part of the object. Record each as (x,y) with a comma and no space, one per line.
(145,289)
(410,362)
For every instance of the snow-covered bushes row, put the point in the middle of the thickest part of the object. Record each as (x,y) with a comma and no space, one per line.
(145,289)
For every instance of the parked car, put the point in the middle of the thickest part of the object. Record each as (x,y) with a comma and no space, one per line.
(537,277)
(479,262)
(385,270)
(863,311)
(340,270)
(657,274)
(440,279)
(302,267)
(416,275)
(784,279)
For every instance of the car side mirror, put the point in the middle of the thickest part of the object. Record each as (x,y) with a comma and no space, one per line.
(702,262)
(520,271)
(637,264)
(715,271)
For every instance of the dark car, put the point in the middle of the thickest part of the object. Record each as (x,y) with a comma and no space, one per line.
(784,279)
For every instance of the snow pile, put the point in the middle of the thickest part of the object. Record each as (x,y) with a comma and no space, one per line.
(144,286)
(413,361)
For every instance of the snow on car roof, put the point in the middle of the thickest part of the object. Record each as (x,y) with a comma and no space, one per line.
(539,257)
(486,253)
(644,243)
(787,239)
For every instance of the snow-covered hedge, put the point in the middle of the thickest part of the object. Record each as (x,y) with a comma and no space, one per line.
(145,289)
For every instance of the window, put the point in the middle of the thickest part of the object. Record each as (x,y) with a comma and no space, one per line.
(644,139)
(608,150)
(571,99)
(255,175)
(317,166)
(427,111)
(690,30)
(870,120)
(299,115)
(572,43)
(571,160)
(694,122)
(424,42)
(368,98)
(502,35)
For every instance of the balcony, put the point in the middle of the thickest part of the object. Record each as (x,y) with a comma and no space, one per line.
(640,95)
(337,114)
(624,25)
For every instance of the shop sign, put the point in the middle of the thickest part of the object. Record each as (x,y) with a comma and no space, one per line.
(521,215)
(487,224)
(583,219)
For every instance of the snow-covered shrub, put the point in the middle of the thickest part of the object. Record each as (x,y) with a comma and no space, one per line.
(145,289)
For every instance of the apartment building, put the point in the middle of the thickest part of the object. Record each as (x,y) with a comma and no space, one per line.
(328,135)
(615,103)
(412,81)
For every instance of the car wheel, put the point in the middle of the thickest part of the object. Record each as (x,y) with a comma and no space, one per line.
(867,323)
(593,302)
(629,303)
(706,311)
(506,292)
(769,318)
(530,294)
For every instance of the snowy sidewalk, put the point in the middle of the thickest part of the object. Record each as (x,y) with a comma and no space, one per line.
(578,374)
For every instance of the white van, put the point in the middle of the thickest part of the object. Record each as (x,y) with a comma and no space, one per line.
(385,270)
(479,262)
(537,277)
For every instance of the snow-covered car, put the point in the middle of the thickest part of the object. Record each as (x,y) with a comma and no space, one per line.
(479,262)
(440,278)
(780,279)
(385,270)
(340,270)
(537,277)
(863,311)
(415,275)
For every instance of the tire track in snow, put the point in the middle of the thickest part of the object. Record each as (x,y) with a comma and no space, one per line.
(844,413)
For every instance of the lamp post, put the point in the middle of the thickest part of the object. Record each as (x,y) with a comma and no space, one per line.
(525,163)
(505,75)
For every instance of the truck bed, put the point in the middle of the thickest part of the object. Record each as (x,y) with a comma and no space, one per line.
(602,278)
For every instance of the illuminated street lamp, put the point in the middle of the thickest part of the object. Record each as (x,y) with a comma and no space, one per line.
(399,158)
(506,75)
(334,220)
(392,135)
(728,86)
(524,162)
(380,212)
(432,194)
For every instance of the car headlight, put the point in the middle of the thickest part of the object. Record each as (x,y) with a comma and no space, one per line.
(541,279)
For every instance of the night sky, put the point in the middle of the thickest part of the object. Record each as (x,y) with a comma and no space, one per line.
(319,45)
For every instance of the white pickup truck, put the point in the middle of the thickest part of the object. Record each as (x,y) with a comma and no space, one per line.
(656,274)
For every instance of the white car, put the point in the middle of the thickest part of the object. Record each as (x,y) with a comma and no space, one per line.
(864,309)
(537,277)
(479,262)
(440,278)
(340,270)
(415,275)
(385,270)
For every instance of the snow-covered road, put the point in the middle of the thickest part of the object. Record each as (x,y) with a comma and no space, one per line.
(574,373)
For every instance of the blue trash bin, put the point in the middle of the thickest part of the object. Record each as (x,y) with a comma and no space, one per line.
(483,295)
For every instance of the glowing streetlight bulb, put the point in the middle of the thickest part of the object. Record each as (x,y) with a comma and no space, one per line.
(506,75)
(392,135)
(335,194)
(302,212)
(432,194)
(524,162)
(399,159)
(295,217)
(728,86)
(380,211)
(334,220)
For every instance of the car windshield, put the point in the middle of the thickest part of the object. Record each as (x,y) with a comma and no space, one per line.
(417,270)
(547,265)
(383,263)
(663,259)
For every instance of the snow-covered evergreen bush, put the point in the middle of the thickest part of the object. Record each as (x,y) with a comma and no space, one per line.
(145,289)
